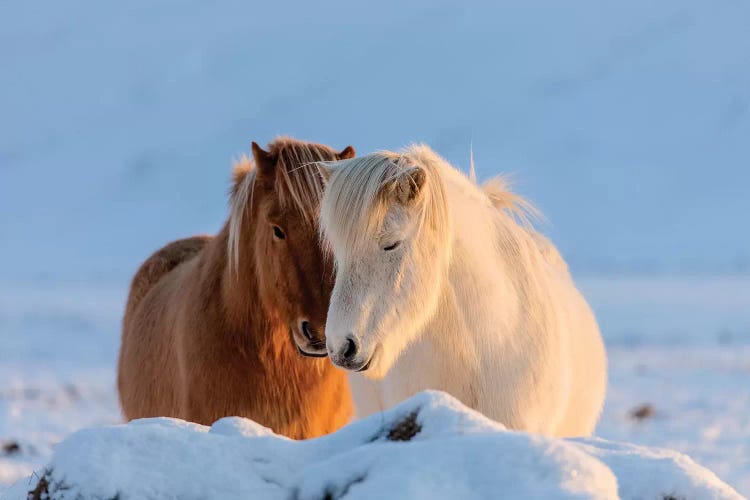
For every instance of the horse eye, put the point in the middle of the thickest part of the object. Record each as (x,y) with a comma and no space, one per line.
(391,247)
(278,232)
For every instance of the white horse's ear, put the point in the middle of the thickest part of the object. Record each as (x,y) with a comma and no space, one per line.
(409,184)
(325,172)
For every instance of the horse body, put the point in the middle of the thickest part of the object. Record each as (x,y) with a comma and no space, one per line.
(485,308)
(207,327)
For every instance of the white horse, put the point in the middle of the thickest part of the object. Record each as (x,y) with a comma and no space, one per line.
(439,285)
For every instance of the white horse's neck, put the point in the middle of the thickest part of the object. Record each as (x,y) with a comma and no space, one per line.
(511,336)
(477,293)
(479,270)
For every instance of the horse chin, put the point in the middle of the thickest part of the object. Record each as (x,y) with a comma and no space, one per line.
(374,369)
(309,354)
(305,348)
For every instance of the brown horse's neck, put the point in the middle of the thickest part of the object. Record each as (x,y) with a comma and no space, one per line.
(251,328)
(244,314)
(238,287)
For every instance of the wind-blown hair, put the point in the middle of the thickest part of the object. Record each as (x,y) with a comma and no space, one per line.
(465,296)
(356,200)
(522,210)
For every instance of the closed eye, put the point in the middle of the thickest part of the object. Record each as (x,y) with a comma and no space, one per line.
(391,247)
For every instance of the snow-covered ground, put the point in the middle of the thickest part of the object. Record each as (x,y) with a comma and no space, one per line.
(680,345)
(430,446)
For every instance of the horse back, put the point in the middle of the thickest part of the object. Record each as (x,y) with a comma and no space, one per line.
(147,367)
(159,264)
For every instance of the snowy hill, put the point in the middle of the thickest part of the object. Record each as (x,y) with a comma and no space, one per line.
(627,123)
(430,446)
(679,346)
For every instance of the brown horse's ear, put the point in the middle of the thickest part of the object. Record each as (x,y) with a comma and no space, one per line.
(346,153)
(408,185)
(265,162)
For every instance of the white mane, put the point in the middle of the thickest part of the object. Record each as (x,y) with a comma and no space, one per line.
(356,192)
(475,302)
(356,203)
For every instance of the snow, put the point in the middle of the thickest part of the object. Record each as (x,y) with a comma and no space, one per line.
(58,348)
(455,453)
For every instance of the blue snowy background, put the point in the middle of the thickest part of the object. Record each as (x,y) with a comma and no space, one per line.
(627,123)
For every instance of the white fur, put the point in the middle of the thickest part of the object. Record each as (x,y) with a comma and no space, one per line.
(472,302)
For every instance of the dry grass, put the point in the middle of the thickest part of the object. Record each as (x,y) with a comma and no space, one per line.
(11,448)
(405,429)
(47,488)
(42,488)
(642,412)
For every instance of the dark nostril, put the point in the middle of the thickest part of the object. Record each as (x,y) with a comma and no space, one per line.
(307,331)
(351,349)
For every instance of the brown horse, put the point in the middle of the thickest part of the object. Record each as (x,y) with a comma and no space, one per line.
(208,323)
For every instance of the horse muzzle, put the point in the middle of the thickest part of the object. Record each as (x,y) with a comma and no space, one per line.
(348,355)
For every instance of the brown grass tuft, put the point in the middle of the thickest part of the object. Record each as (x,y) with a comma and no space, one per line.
(406,429)
(11,448)
(642,412)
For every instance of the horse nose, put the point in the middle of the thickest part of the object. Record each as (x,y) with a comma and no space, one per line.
(344,355)
(351,349)
(306,330)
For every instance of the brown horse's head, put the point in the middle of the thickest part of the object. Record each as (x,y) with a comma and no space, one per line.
(276,204)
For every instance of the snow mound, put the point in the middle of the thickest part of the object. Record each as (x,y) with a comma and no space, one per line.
(430,446)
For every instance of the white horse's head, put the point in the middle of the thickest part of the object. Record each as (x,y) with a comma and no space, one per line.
(387,220)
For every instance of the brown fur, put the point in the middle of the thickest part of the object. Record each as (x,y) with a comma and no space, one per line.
(203,339)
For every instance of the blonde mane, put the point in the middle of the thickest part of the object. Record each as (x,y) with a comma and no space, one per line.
(243,174)
(522,210)
(475,303)
(357,204)
(297,184)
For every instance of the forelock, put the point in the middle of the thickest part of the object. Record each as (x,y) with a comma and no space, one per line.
(356,200)
(298,185)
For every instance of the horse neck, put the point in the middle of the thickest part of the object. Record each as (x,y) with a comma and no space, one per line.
(239,285)
(482,264)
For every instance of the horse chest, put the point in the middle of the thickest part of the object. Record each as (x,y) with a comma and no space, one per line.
(424,366)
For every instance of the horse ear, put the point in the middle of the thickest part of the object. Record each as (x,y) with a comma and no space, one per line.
(326,171)
(264,162)
(409,183)
(346,153)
